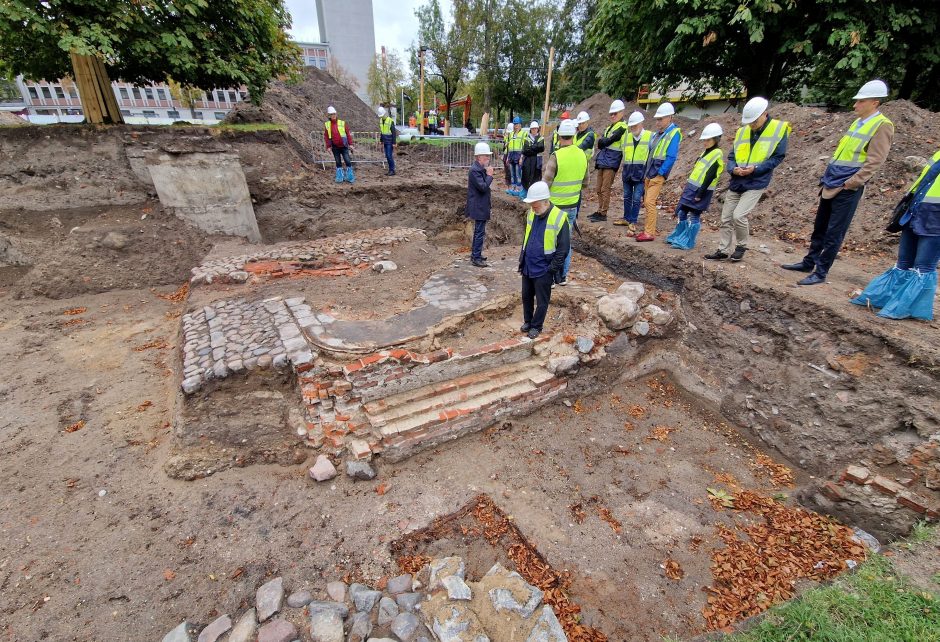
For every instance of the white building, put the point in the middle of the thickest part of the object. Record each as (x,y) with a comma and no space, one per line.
(348,27)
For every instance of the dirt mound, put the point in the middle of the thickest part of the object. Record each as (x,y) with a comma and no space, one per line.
(788,207)
(302,107)
(598,106)
(11,120)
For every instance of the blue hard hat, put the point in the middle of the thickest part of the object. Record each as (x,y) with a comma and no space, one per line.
(516,121)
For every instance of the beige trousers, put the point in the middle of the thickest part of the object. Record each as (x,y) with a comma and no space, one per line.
(653,186)
(735,229)
(605,180)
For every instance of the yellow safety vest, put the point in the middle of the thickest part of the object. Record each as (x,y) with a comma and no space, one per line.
(340,125)
(853,148)
(556,220)
(659,152)
(745,154)
(432,119)
(702,165)
(565,189)
(580,136)
(516,139)
(635,152)
(385,125)
(933,192)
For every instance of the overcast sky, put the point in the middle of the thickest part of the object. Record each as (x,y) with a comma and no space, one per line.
(396,26)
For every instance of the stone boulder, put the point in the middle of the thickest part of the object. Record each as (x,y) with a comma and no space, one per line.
(617,311)
(632,290)
(657,315)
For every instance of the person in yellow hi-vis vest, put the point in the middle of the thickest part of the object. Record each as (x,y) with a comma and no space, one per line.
(566,173)
(636,151)
(759,147)
(698,192)
(339,140)
(861,152)
(544,248)
(663,155)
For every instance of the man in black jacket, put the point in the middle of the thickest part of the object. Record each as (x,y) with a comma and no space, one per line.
(478,200)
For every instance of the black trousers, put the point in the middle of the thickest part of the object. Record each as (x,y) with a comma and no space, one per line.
(536,295)
(833,217)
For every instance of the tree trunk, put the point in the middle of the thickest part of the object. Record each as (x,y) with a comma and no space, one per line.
(94,89)
(909,81)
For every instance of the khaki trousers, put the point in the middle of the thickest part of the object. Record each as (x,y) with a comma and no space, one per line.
(605,179)
(735,229)
(653,186)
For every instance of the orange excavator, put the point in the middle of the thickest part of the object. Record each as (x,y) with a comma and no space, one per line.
(444,108)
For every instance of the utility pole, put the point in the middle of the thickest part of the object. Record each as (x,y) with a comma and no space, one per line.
(548,84)
(421,99)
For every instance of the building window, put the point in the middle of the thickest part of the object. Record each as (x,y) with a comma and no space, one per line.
(59,93)
(172,113)
(33,93)
(161,94)
(45,112)
(232,97)
(73,92)
(124,94)
(220,115)
(73,112)
(136,92)
(198,115)
(46,93)
(322,63)
(243,95)
(150,113)
(125,112)
(148,92)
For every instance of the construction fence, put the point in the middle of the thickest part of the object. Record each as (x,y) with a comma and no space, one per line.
(457,151)
(367,149)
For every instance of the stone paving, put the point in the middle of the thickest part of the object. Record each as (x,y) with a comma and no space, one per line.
(358,248)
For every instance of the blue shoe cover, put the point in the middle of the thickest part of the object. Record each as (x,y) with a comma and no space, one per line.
(339,174)
(881,288)
(350,176)
(678,232)
(687,240)
(914,298)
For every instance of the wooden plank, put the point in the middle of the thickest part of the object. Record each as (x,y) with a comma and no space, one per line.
(110,102)
(87,89)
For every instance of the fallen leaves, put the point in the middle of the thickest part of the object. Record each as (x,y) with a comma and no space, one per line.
(176,297)
(660,433)
(789,544)
(143,406)
(578,407)
(74,311)
(78,425)
(413,563)
(673,570)
(577,512)
(720,498)
(381,489)
(169,575)
(158,344)
(636,411)
(780,475)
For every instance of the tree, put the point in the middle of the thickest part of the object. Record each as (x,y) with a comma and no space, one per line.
(342,75)
(200,43)
(386,75)
(447,58)
(187,96)
(9,92)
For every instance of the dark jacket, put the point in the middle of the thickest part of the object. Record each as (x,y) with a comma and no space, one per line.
(533,262)
(924,218)
(388,138)
(763,172)
(610,155)
(532,161)
(699,198)
(478,193)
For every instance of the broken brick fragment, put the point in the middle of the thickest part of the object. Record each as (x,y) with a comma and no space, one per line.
(886,486)
(856,474)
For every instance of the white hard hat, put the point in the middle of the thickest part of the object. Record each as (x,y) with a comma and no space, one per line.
(753,109)
(711,130)
(534,124)
(666,109)
(481,149)
(381,111)
(616,106)
(537,192)
(331,109)
(636,118)
(872,89)
(583,117)
(567,128)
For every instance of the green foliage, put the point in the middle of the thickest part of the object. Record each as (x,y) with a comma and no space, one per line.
(873,604)
(222,43)
(8,91)
(385,77)
(448,49)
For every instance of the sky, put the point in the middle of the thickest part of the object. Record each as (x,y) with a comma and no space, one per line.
(396,26)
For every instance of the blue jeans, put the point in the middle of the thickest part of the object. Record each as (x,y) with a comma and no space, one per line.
(632,200)
(572,213)
(921,252)
(516,170)
(833,217)
(341,152)
(390,156)
(479,235)
(684,213)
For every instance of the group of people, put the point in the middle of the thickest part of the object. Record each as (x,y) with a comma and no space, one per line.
(554,194)
(338,138)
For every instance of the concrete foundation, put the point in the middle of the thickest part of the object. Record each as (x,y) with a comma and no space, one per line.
(207,190)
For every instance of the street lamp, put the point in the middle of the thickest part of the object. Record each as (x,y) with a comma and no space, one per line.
(421,51)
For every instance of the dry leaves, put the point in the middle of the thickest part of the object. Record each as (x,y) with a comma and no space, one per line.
(660,433)
(636,411)
(78,425)
(413,563)
(673,570)
(169,575)
(73,311)
(177,296)
(158,344)
(577,512)
(146,404)
(578,407)
(780,475)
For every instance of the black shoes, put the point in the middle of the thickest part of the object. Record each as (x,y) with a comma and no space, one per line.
(533,333)
(597,218)
(525,327)
(812,279)
(717,255)
(738,253)
(798,267)
(479,263)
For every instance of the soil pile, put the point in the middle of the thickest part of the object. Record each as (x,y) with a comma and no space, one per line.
(301,107)
(11,120)
(598,106)
(788,207)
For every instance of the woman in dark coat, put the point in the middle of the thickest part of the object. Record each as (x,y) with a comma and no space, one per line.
(532,149)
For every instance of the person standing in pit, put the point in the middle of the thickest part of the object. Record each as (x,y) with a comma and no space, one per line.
(544,247)
(908,289)
(566,174)
(516,139)
(478,200)
(698,192)
(636,151)
(665,152)
(861,152)
(608,160)
(338,139)
(388,134)
(533,146)
(759,146)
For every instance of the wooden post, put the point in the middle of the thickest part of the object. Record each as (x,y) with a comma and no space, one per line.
(94,88)
(421,98)
(548,84)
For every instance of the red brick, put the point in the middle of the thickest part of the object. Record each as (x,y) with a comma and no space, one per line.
(833,492)
(399,354)
(342,417)
(352,367)
(322,393)
(372,358)
(856,474)
(342,386)
(887,486)
(912,501)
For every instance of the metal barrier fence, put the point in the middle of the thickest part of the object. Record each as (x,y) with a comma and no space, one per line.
(457,151)
(367,149)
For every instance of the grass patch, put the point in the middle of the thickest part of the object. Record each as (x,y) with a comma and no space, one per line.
(251,127)
(920,534)
(874,604)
